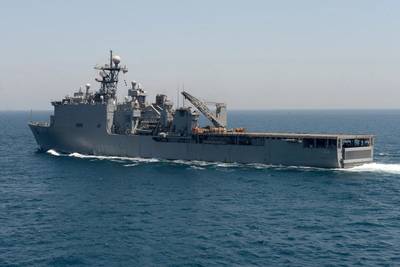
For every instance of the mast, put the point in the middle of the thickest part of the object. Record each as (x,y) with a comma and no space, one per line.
(109,78)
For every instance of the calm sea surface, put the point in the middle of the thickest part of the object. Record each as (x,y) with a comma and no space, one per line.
(73,210)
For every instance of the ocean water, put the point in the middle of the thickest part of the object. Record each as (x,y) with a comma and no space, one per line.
(79,210)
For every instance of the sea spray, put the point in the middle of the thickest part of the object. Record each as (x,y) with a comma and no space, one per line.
(53,152)
(377,167)
(369,167)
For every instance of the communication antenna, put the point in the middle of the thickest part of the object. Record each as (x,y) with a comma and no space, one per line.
(109,76)
(177,97)
(87,86)
(183,98)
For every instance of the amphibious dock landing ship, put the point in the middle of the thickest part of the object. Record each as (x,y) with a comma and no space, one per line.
(95,123)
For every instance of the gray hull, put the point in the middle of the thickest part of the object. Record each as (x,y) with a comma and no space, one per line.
(273,151)
(95,123)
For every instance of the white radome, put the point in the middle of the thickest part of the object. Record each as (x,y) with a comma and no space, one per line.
(87,85)
(116,59)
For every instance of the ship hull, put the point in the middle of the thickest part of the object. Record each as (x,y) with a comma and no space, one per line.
(273,151)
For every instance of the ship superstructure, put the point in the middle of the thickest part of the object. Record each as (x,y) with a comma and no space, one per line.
(96,123)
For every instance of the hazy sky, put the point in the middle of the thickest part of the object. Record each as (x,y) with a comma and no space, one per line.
(251,54)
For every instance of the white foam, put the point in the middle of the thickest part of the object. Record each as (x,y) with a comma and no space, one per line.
(228,165)
(53,152)
(194,167)
(196,164)
(131,165)
(82,156)
(112,158)
(377,167)
(193,162)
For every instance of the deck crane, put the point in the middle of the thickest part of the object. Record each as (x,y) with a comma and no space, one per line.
(202,107)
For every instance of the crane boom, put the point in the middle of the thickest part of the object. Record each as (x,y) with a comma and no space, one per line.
(202,107)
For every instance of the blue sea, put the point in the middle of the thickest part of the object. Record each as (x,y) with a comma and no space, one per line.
(78,210)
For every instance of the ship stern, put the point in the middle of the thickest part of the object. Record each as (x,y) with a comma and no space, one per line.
(356,151)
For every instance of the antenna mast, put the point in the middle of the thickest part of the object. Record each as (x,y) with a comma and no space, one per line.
(177,97)
(109,78)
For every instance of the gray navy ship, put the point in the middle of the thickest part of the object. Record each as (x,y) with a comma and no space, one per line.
(95,123)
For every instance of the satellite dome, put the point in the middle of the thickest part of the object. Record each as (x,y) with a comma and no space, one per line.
(87,85)
(116,59)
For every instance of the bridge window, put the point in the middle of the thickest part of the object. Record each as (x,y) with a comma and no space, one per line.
(79,125)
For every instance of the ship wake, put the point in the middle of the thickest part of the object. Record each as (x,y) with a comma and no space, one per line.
(377,167)
(112,158)
(201,165)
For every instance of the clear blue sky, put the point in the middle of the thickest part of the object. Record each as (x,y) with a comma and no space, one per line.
(251,54)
